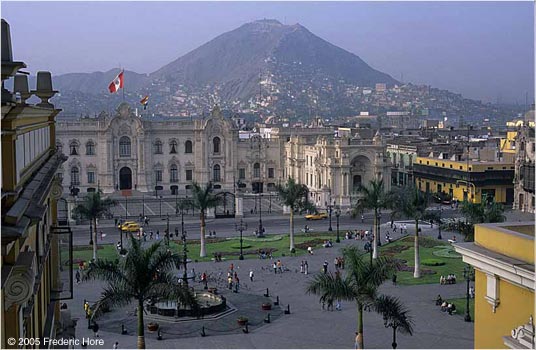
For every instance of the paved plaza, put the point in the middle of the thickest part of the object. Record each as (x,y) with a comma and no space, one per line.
(307,326)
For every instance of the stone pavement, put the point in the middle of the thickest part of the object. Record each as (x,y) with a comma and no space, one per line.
(308,326)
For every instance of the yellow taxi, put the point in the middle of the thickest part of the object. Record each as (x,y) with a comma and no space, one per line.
(129,226)
(316,216)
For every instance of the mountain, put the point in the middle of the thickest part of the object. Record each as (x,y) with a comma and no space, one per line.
(263,68)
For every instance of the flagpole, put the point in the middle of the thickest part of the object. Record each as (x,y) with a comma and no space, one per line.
(123,84)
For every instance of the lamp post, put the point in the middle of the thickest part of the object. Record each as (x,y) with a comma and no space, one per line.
(120,228)
(184,258)
(468,274)
(167,230)
(389,322)
(440,212)
(330,210)
(240,227)
(261,234)
(90,231)
(160,212)
(337,215)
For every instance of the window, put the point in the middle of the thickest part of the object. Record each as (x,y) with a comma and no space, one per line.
(173,173)
(158,147)
(189,173)
(242,173)
(75,176)
(271,173)
(90,177)
(173,147)
(188,147)
(90,148)
(158,175)
(216,145)
(216,173)
(73,148)
(124,146)
(257,170)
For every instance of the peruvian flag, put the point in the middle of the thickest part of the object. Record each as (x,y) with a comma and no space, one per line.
(117,83)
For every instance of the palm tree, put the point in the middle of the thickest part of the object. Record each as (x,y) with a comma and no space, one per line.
(413,204)
(92,208)
(143,275)
(478,213)
(395,315)
(373,197)
(203,199)
(295,196)
(360,283)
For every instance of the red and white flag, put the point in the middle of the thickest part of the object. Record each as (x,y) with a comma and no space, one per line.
(117,83)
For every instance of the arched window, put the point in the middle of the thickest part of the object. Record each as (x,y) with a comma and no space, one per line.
(90,148)
(173,147)
(73,148)
(173,173)
(75,176)
(124,146)
(59,146)
(216,145)
(158,147)
(256,170)
(217,173)
(188,147)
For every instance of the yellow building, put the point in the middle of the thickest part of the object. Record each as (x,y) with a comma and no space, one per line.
(503,258)
(459,178)
(31,282)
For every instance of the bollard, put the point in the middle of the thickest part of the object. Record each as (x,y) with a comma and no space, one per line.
(123,329)
(159,335)
(267,294)
(203,334)
(267,319)
(276,300)
(245,329)
(287,311)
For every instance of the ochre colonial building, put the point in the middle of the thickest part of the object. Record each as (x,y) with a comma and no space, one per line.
(31,282)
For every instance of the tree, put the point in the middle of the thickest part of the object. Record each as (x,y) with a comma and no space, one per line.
(395,315)
(373,197)
(479,213)
(92,208)
(295,196)
(203,199)
(413,204)
(359,284)
(143,275)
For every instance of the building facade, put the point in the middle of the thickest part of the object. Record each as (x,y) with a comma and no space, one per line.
(503,259)
(126,152)
(524,196)
(31,282)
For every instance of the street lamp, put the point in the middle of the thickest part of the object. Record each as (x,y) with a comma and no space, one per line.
(337,215)
(468,274)
(90,232)
(330,210)
(389,322)
(166,235)
(184,258)
(160,206)
(242,226)
(440,212)
(261,234)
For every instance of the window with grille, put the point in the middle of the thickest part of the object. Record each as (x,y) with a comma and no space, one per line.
(173,147)
(173,174)
(124,147)
(188,147)
(90,148)
(217,173)
(158,147)
(73,148)
(75,176)
(90,177)
(256,170)
(242,173)
(158,175)
(271,173)
(189,175)
(216,143)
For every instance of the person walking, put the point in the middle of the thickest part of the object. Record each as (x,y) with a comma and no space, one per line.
(362,218)
(157,235)
(230,282)
(96,329)
(279,266)
(77,276)
(394,279)
(251,275)
(274,265)
(325,266)
(301,267)
(237,283)
(306,267)
(116,345)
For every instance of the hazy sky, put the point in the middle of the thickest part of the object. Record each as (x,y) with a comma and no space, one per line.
(484,50)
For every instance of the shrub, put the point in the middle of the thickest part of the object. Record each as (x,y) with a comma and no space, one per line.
(244,246)
(446,252)
(432,262)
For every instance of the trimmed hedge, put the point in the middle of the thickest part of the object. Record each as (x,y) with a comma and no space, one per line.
(432,262)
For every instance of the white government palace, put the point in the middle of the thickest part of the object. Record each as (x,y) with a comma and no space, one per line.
(126,151)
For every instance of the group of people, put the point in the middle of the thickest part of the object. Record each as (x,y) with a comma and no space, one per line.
(304,267)
(339,262)
(446,306)
(277,266)
(327,244)
(450,279)
(403,228)
(232,279)
(265,255)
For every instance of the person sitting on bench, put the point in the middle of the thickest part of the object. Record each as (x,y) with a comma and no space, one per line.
(439,300)
(451,308)
(444,306)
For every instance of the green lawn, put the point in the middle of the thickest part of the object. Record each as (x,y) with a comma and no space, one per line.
(403,249)
(230,248)
(460,307)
